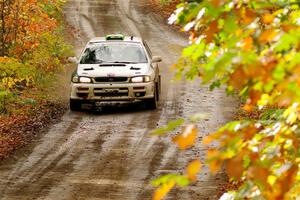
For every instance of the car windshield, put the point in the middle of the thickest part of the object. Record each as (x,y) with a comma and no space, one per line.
(114,53)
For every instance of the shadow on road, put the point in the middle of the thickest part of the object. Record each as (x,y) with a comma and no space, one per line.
(114,108)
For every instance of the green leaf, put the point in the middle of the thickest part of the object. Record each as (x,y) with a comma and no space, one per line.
(170,127)
(180,180)
(279,73)
(287,41)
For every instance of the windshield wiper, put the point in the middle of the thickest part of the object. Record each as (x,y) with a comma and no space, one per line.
(101,61)
(125,62)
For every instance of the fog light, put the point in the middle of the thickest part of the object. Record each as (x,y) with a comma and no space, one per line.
(140,94)
(137,94)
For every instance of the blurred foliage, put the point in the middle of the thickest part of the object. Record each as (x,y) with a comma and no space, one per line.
(170,127)
(252,48)
(186,139)
(32,46)
(166,2)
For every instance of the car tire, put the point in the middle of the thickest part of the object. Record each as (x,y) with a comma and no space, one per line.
(152,103)
(158,88)
(75,105)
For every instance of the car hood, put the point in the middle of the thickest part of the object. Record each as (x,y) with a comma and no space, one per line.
(105,70)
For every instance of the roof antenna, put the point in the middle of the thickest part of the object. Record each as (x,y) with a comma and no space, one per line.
(131,37)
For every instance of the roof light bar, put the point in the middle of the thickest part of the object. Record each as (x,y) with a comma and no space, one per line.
(115,37)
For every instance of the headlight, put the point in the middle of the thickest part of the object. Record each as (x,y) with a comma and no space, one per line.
(146,78)
(140,79)
(77,79)
(85,80)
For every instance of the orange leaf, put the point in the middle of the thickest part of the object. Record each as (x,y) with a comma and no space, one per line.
(248,107)
(211,30)
(254,96)
(259,173)
(288,27)
(214,136)
(188,138)
(234,167)
(267,36)
(217,3)
(248,16)
(267,18)
(247,43)
(162,191)
(238,78)
(193,169)
(208,139)
(250,132)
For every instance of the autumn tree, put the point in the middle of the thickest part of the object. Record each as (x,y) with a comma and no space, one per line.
(32,46)
(23,22)
(5,8)
(252,48)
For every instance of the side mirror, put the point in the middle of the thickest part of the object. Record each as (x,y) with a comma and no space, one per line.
(73,60)
(156,59)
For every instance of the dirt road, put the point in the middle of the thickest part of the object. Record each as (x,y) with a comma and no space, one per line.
(109,154)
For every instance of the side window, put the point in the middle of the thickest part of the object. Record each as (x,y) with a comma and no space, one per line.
(147,49)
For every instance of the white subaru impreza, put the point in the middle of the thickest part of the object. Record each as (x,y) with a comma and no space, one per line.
(116,68)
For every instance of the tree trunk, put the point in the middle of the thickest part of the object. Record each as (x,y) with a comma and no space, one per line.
(16,26)
(2,28)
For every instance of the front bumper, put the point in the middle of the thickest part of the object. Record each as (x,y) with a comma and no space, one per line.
(112,91)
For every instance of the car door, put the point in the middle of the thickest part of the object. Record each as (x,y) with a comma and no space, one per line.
(154,65)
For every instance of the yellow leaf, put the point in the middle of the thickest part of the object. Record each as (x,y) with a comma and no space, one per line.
(215,160)
(4,59)
(188,138)
(193,169)
(271,179)
(238,32)
(162,191)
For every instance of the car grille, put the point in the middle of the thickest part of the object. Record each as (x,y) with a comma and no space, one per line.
(110,79)
(111,92)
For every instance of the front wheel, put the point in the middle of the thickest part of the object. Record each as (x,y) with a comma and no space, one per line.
(75,105)
(153,102)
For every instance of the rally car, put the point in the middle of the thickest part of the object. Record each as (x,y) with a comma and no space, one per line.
(116,68)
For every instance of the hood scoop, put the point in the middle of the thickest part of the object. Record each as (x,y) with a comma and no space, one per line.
(135,68)
(112,65)
(88,69)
